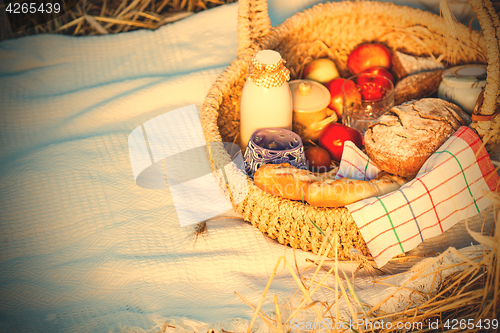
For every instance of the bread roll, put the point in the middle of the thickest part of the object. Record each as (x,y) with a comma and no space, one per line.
(322,191)
(287,181)
(283,180)
(404,138)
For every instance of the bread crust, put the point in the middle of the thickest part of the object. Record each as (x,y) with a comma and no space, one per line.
(405,138)
(417,86)
(321,190)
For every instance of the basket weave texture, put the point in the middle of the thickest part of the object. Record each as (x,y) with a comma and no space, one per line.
(332,30)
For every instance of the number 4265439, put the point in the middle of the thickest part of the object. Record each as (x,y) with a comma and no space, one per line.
(33,8)
(471,324)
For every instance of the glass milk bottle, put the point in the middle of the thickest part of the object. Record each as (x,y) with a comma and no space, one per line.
(266,100)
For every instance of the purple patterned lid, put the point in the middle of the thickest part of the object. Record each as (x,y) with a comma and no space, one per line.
(274,145)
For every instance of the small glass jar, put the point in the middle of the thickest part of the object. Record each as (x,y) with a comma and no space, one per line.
(462,85)
(366,97)
(266,100)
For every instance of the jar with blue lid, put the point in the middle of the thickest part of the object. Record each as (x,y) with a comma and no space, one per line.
(462,85)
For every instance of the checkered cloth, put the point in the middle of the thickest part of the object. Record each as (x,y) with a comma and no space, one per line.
(448,188)
(355,164)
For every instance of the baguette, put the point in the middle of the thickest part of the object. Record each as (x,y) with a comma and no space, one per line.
(417,86)
(405,64)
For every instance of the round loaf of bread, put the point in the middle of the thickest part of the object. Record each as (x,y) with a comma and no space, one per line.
(404,138)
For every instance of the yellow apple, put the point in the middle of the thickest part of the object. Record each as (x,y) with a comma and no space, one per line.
(322,70)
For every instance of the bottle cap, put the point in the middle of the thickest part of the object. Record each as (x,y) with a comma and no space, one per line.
(267,69)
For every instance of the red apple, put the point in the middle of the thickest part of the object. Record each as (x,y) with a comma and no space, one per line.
(337,98)
(335,88)
(374,87)
(333,136)
(369,55)
(322,70)
(380,71)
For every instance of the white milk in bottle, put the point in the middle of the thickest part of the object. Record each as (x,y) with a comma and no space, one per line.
(266,100)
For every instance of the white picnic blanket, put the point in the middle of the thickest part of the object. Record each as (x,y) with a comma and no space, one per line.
(82,247)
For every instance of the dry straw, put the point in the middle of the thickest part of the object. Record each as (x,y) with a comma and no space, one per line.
(98,17)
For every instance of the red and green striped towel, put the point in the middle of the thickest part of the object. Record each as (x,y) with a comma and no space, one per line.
(448,188)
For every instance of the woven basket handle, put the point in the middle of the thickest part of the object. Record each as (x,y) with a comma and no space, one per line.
(253,23)
(490,26)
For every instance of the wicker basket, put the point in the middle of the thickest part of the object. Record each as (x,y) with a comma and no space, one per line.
(333,30)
